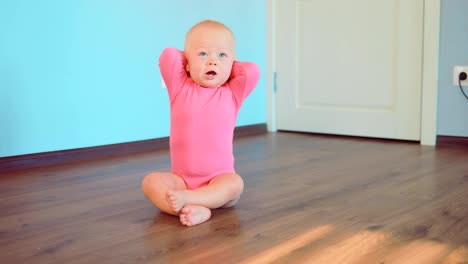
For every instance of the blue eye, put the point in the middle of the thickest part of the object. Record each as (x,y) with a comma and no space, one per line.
(223,55)
(202,54)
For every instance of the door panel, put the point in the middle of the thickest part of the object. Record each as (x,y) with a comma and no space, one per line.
(350,67)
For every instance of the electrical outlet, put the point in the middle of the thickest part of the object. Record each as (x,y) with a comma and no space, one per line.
(456,72)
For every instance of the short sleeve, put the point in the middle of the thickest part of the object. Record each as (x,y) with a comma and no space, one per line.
(172,66)
(244,78)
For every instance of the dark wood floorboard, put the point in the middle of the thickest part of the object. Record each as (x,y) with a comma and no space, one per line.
(307,199)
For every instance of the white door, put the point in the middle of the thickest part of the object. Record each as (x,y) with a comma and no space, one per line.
(350,67)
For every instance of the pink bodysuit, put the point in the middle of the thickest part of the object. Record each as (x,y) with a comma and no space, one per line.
(203,119)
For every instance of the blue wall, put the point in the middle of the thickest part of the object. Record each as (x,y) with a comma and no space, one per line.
(453,107)
(81,73)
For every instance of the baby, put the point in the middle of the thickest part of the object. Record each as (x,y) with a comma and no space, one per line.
(206,88)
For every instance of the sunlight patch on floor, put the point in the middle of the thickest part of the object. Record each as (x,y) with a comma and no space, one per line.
(350,250)
(362,247)
(286,247)
(458,256)
(418,252)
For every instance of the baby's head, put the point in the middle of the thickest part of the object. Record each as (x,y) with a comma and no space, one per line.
(210,51)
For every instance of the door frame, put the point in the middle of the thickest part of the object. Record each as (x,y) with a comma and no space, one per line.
(430,69)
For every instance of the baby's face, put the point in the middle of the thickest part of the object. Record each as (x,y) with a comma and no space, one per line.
(210,54)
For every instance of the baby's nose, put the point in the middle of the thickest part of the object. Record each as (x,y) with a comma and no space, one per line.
(212,62)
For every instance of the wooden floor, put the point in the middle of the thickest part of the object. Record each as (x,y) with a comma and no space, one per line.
(308,199)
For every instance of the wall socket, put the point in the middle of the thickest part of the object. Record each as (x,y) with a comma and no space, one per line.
(456,72)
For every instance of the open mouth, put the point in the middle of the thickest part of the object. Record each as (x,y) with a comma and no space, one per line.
(211,73)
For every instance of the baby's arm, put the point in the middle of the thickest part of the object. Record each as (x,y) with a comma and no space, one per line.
(244,78)
(172,64)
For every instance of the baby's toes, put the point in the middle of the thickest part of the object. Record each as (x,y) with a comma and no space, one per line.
(183,218)
(188,223)
(186,210)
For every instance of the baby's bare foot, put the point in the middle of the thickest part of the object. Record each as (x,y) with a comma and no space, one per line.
(194,214)
(176,200)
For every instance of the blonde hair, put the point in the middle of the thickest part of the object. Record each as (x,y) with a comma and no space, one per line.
(213,24)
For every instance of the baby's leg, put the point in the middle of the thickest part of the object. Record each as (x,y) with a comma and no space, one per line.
(156,186)
(223,191)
